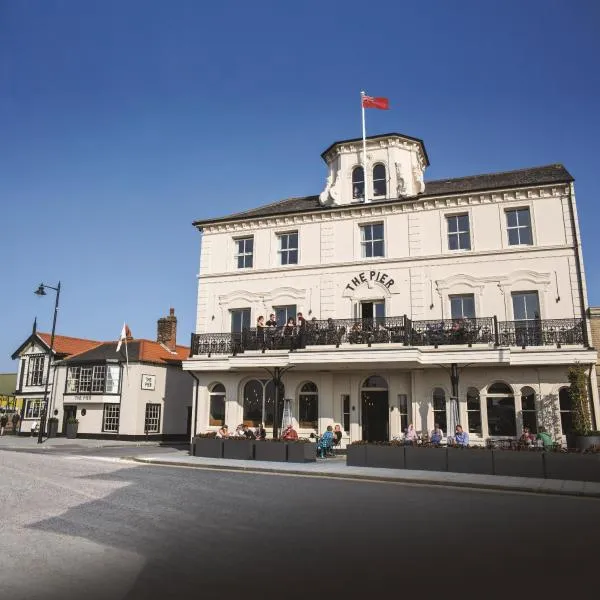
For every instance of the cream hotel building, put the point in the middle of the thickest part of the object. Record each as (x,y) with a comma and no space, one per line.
(425,302)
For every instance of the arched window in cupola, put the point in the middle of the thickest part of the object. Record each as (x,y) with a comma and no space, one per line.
(358,183)
(379,180)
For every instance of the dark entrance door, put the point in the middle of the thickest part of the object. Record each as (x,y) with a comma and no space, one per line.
(70,410)
(188,428)
(375,415)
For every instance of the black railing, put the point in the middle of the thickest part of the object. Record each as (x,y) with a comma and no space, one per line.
(541,332)
(394,330)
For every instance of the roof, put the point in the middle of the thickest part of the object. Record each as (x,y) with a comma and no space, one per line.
(137,351)
(376,137)
(547,174)
(64,345)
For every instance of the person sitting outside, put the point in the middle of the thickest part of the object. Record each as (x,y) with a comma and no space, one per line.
(461,437)
(325,445)
(410,436)
(527,438)
(436,435)
(248,433)
(337,435)
(223,432)
(260,432)
(239,431)
(544,437)
(289,434)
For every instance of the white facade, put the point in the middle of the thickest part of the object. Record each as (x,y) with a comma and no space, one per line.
(420,251)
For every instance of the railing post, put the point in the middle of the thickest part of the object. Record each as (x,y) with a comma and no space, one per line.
(192,340)
(407,330)
(496,332)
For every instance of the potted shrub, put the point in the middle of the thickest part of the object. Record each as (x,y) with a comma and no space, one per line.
(52,427)
(356,454)
(582,436)
(271,450)
(207,445)
(239,448)
(301,450)
(386,455)
(72,426)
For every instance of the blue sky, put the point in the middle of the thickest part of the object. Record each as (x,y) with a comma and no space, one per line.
(123,121)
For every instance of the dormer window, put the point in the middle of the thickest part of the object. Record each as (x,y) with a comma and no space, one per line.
(379,180)
(358,183)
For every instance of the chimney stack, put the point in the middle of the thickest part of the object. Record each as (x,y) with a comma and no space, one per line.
(166,331)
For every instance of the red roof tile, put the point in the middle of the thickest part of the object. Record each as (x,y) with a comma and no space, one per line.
(66,345)
(156,352)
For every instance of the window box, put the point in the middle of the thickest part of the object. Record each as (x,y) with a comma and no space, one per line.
(238,449)
(300,452)
(468,460)
(385,457)
(519,463)
(578,467)
(270,451)
(356,455)
(207,447)
(71,430)
(425,459)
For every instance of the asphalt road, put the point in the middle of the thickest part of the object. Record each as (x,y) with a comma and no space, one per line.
(83,527)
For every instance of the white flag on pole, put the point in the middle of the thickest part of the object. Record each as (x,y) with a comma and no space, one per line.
(125,333)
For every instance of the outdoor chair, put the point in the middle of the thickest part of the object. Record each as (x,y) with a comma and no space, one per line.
(326,450)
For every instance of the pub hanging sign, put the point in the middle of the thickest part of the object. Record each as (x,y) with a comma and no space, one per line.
(370,277)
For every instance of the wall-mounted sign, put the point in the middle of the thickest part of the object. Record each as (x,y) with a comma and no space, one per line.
(148,382)
(370,277)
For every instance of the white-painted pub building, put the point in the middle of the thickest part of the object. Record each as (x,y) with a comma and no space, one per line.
(422,302)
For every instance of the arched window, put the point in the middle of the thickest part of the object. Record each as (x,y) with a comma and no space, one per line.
(379,180)
(270,403)
(501,410)
(439,409)
(216,416)
(308,406)
(566,417)
(528,408)
(375,381)
(253,403)
(474,411)
(358,183)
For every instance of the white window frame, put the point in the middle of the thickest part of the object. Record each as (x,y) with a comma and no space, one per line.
(111,415)
(364,184)
(364,243)
(286,251)
(85,380)
(343,399)
(458,231)
(33,408)
(306,395)
(152,418)
(98,379)
(34,368)
(385,179)
(244,254)
(462,296)
(519,227)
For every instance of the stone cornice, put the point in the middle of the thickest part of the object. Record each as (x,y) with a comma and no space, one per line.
(392,207)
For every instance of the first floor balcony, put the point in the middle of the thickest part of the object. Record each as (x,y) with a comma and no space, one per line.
(399,331)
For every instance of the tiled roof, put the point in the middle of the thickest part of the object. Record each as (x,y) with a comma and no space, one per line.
(476,183)
(66,345)
(137,351)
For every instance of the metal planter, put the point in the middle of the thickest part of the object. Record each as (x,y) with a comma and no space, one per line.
(578,467)
(71,430)
(301,452)
(356,455)
(270,451)
(385,457)
(467,460)
(238,449)
(512,463)
(207,447)
(426,459)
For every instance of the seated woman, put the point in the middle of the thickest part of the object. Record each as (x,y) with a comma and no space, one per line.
(436,435)
(527,438)
(325,444)
(410,436)
(289,434)
(337,434)
(223,432)
(544,437)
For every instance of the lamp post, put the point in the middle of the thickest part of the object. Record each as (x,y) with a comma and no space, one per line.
(41,291)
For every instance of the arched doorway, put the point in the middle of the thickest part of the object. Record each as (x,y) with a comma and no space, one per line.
(375,409)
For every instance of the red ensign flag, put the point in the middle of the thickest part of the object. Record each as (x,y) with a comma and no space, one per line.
(370,102)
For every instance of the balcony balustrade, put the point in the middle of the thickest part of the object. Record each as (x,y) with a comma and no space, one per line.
(394,330)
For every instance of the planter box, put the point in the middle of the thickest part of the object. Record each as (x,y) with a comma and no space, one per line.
(207,447)
(386,457)
(271,451)
(583,442)
(578,467)
(71,430)
(524,463)
(238,449)
(356,455)
(52,429)
(301,452)
(425,459)
(466,460)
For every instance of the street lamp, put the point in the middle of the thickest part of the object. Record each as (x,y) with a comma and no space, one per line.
(41,291)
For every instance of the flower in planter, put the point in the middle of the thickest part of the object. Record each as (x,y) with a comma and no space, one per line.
(207,434)
(72,421)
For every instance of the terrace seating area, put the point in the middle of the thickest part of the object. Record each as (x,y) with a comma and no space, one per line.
(394,330)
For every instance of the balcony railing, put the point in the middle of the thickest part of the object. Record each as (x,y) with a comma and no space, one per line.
(394,330)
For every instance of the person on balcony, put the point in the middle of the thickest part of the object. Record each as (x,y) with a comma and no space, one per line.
(461,437)
(288,330)
(289,434)
(301,323)
(272,322)
(436,435)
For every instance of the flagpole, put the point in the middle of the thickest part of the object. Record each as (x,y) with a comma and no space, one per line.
(364,135)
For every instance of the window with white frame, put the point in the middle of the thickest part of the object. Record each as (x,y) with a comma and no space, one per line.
(358,183)
(462,306)
(518,227)
(85,380)
(288,248)
(240,319)
(439,409)
(34,408)
(284,313)
(474,411)
(152,418)
(379,180)
(98,378)
(459,235)
(501,410)
(93,379)
(244,255)
(110,419)
(308,406)
(371,240)
(528,411)
(216,417)
(35,375)
(403,408)
(113,378)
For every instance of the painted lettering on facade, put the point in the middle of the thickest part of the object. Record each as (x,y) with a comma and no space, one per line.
(366,276)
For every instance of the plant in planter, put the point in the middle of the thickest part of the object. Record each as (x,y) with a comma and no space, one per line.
(72,427)
(240,448)
(301,450)
(52,427)
(582,436)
